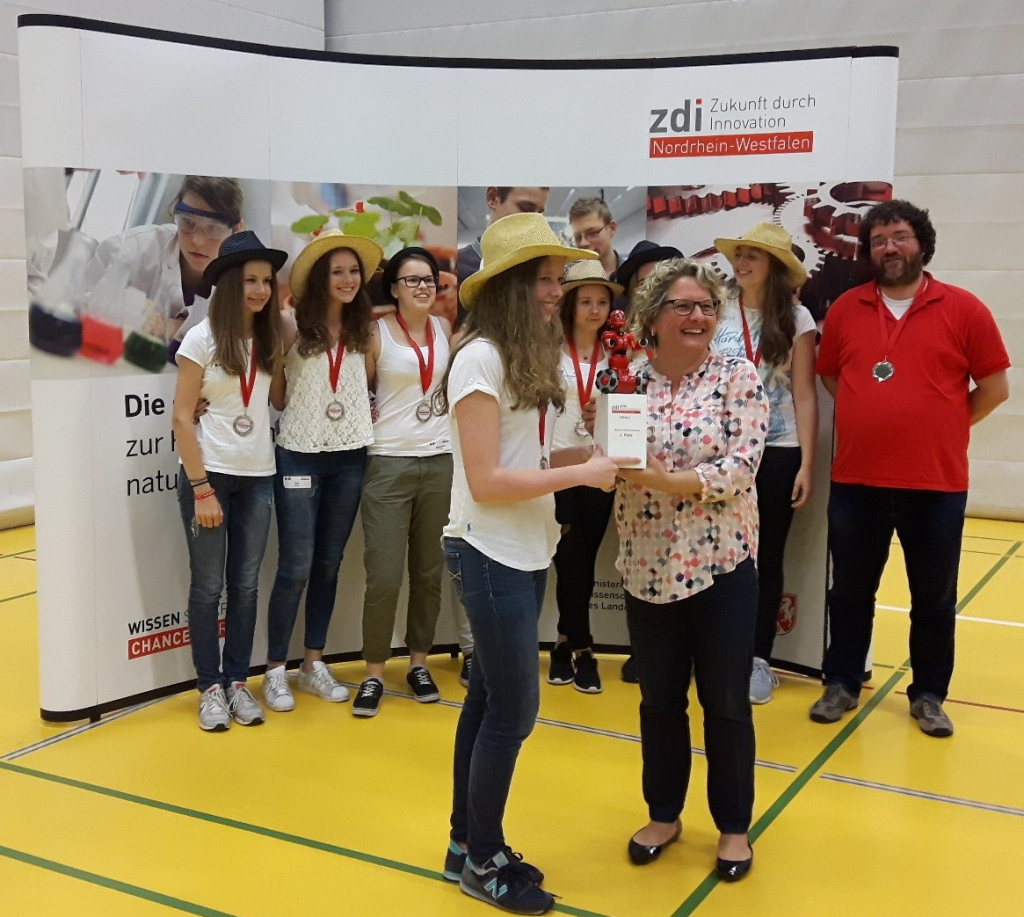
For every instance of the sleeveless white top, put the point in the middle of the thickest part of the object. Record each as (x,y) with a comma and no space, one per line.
(398,430)
(305,426)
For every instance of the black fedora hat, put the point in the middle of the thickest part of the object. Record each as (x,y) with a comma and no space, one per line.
(397,260)
(241,247)
(644,252)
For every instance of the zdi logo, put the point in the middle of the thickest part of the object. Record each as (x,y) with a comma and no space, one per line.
(679,119)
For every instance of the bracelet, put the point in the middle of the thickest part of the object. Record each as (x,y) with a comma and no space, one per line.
(207,495)
(199,482)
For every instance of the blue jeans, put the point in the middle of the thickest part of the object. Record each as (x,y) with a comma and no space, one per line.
(930,525)
(503,606)
(229,554)
(313,524)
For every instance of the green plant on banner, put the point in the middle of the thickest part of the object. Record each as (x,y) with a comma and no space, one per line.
(404,216)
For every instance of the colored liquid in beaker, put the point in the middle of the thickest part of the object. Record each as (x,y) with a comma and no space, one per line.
(101,341)
(59,333)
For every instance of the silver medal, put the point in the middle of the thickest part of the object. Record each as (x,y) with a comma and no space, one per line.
(243,425)
(883,371)
(581,429)
(544,463)
(335,410)
(423,412)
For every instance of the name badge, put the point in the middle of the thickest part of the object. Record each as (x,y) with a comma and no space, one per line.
(297,482)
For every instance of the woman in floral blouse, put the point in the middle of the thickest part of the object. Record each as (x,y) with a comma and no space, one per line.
(688,535)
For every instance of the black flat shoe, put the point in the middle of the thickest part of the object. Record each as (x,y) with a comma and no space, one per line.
(734,870)
(642,854)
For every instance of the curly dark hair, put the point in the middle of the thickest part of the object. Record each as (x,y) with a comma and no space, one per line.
(893,212)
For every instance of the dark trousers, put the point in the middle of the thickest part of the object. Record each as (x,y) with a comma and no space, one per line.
(583,513)
(775,478)
(861,522)
(711,634)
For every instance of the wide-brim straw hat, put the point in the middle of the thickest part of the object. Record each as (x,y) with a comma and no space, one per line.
(512,240)
(772,239)
(238,248)
(587,273)
(644,252)
(369,253)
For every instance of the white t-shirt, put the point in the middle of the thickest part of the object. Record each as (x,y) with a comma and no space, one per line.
(898,307)
(521,535)
(565,425)
(399,430)
(222,448)
(777,380)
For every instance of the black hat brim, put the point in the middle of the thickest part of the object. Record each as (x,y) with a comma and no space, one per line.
(630,266)
(219,265)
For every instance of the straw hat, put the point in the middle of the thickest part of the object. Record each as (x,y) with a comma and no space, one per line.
(238,248)
(584,273)
(772,239)
(367,251)
(644,252)
(512,240)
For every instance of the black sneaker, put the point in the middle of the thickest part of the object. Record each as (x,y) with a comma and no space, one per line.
(455,861)
(630,675)
(367,701)
(467,668)
(587,680)
(561,671)
(504,884)
(423,687)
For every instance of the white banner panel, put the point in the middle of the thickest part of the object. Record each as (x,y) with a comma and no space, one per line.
(114,118)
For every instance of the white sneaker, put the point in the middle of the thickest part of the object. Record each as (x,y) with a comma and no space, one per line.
(762,681)
(242,705)
(322,683)
(276,692)
(213,710)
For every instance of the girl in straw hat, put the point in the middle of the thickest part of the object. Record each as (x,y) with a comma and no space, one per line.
(321,450)
(226,487)
(408,478)
(587,296)
(762,321)
(503,389)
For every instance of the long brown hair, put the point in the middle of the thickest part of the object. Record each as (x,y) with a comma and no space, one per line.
(311,311)
(567,310)
(778,321)
(227,306)
(506,313)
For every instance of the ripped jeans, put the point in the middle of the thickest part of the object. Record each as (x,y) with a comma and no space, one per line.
(230,555)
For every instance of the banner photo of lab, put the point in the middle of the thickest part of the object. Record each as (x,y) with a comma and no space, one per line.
(822,218)
(116,262)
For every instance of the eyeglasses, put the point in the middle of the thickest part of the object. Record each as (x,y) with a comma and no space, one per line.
(413,282)
(684,307)
(900,240)
(588,235)
(211,229)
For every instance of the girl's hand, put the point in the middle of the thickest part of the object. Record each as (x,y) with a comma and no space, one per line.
(802,487)
(599,471)
(589,412)
(208,512)
(201,407)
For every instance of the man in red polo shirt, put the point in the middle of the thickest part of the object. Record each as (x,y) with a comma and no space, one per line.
(899,355)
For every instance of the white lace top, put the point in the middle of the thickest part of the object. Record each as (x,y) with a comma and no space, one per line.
(305,426)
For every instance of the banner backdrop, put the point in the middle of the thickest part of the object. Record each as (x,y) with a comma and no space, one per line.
(407,150)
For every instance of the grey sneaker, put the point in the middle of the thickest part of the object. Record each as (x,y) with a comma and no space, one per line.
(213,710)
(322,683)
(762,681)
(505,884)
(927,710)
(831,706)
(242,705)
(276,693)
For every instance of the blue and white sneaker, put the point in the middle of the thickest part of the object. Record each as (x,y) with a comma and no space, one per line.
(502,882)
(455,860)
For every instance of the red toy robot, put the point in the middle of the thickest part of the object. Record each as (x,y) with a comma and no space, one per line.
(620,344)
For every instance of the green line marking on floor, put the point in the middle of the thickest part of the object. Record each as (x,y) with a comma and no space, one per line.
(125,888)
(700,893)
(260,830)
(996,567)
(12,598)
(18,553)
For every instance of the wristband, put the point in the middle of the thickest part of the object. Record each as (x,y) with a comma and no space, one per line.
(209,493)
(199,482)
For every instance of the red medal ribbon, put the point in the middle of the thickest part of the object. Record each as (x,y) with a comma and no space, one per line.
(542,423)
(889,340)
(247,386)
(334,365)
(584,393)
(754,357)
(427,366)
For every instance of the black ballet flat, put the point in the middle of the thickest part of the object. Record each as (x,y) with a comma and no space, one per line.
(734,870)
(642,854)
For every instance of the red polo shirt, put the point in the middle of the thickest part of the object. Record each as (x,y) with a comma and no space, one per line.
(912,430)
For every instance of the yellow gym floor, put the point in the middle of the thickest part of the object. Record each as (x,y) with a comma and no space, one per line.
(317,811)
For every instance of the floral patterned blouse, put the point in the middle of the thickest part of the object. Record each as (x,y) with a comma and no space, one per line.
(673,546)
